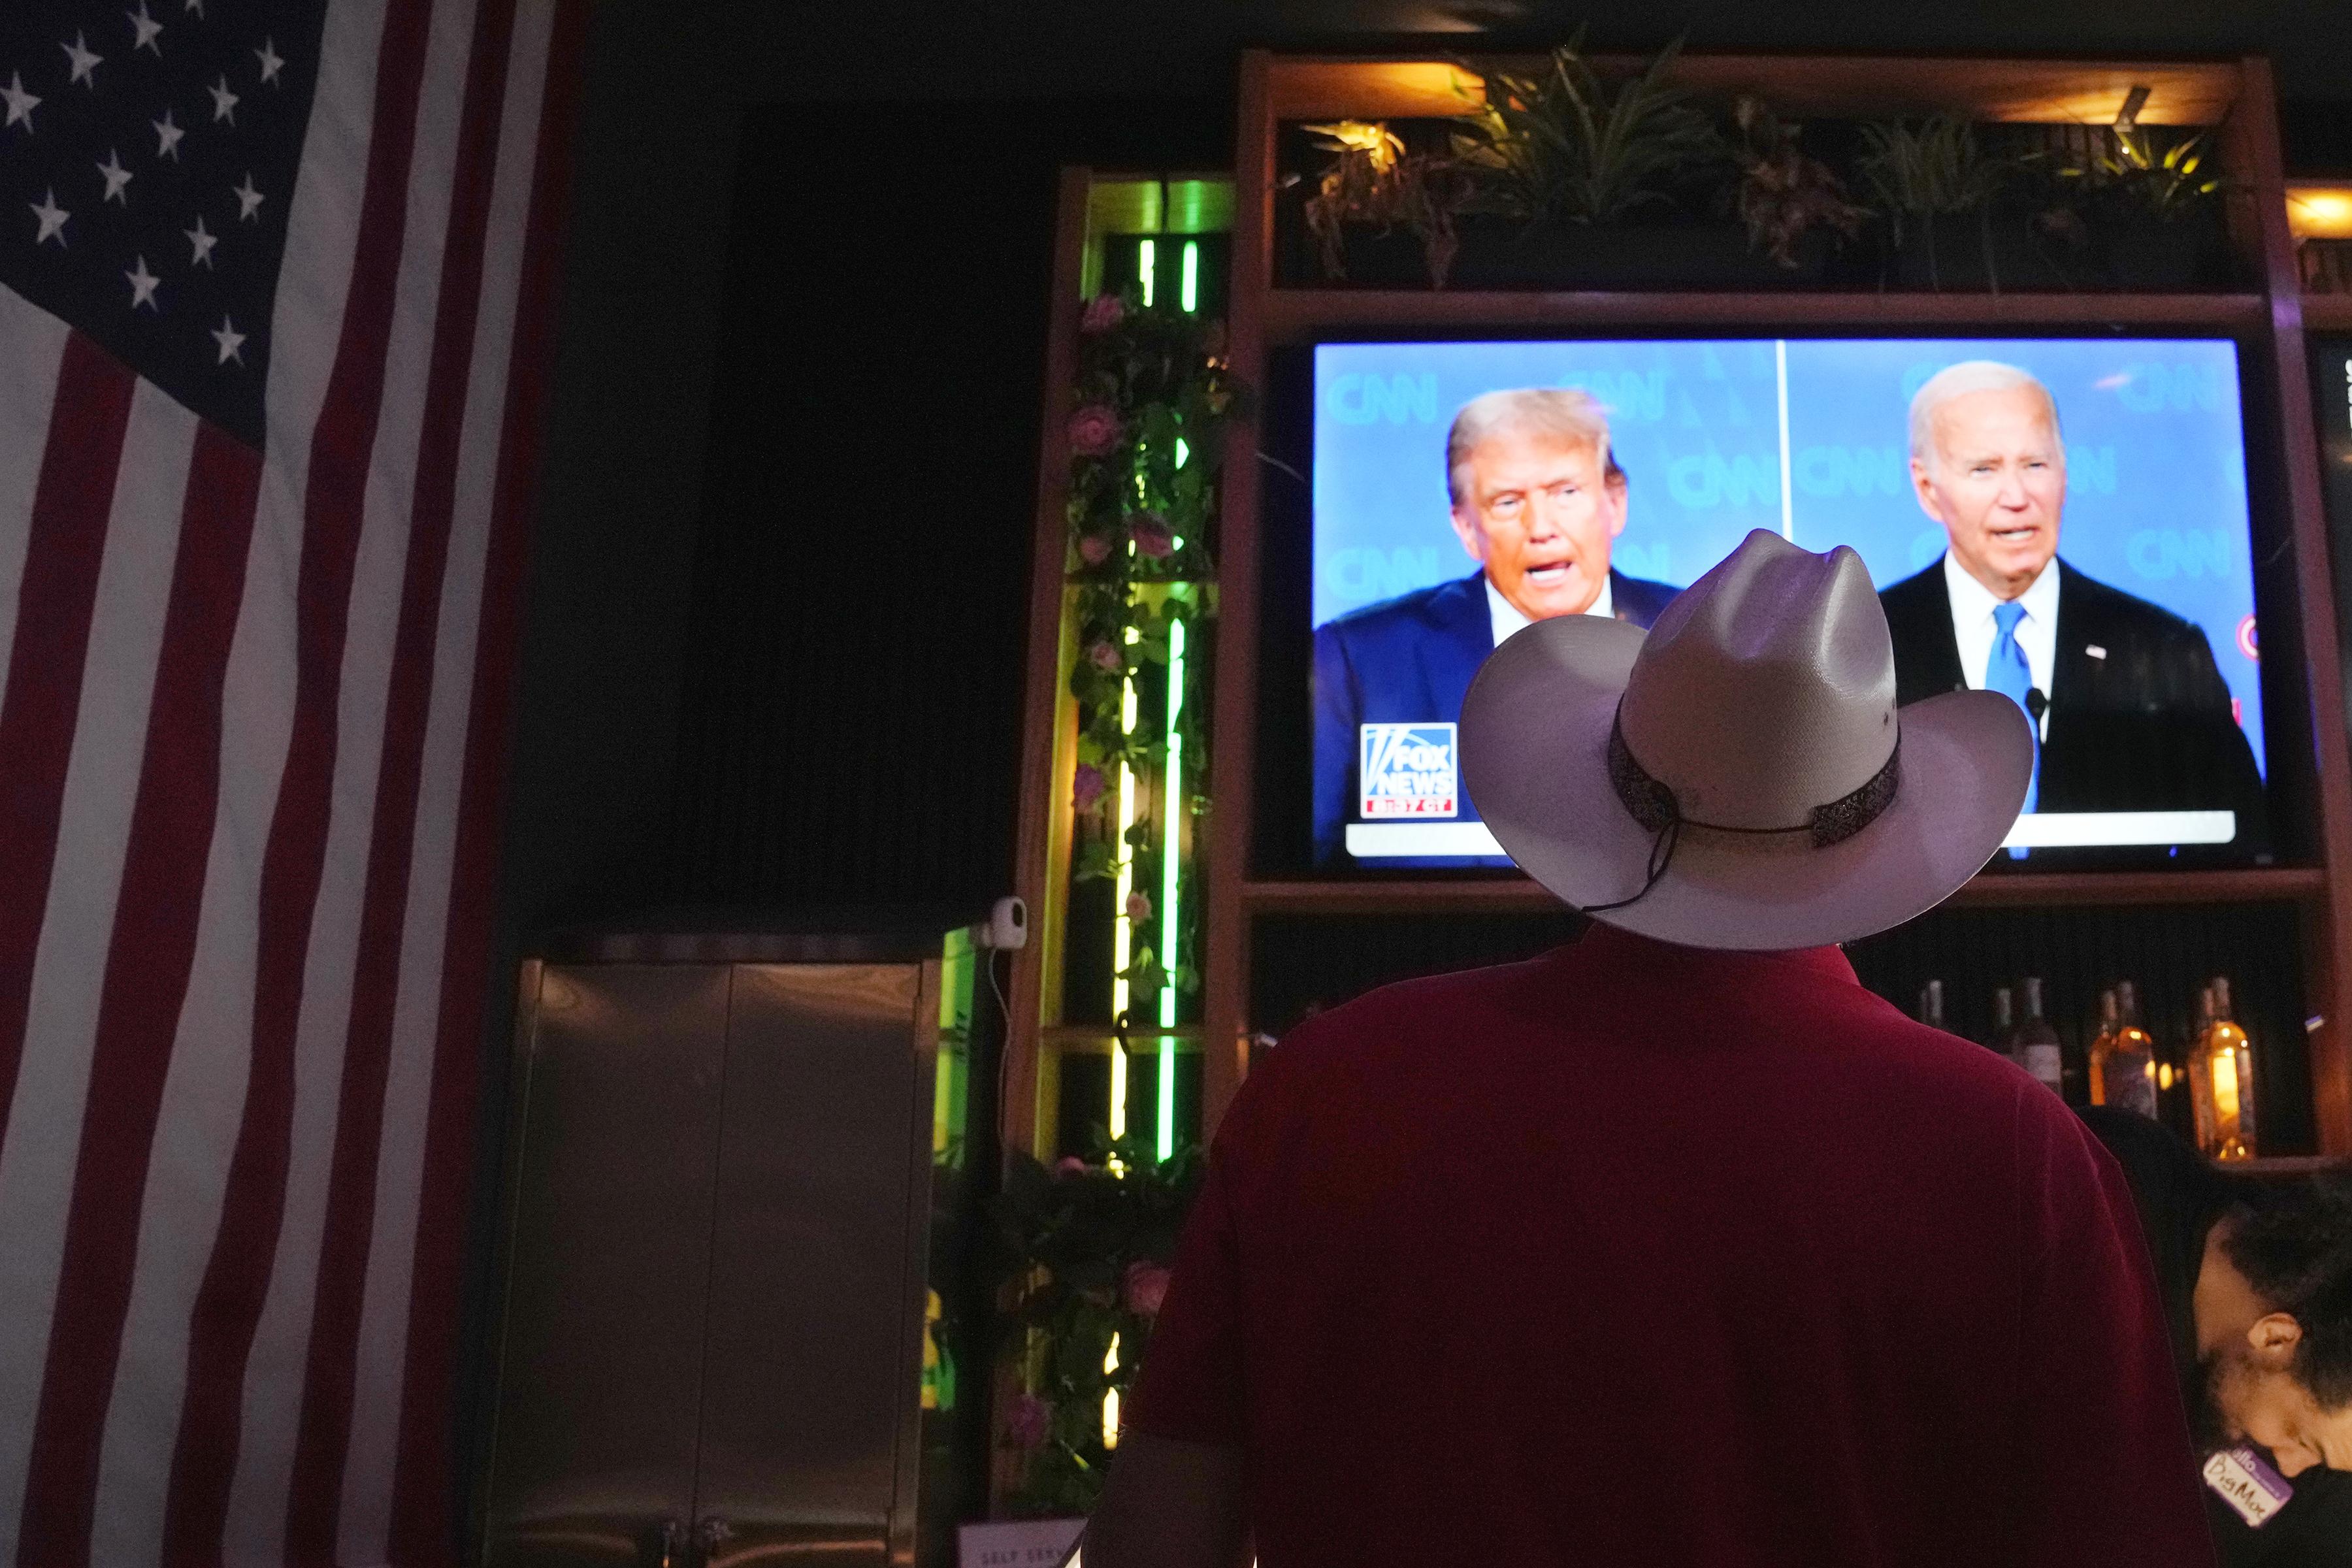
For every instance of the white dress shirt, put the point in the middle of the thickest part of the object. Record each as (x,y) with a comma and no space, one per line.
(1504,616)
(1974,628)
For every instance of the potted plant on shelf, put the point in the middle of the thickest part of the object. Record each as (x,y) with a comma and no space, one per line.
(1936,186)
(2154,215)
(1793,205)
(1586,184)
(1374,182)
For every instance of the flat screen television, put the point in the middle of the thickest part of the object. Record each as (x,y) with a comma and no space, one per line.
(1448,507)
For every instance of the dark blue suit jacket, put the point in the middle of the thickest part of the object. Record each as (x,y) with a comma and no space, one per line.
(1410,660)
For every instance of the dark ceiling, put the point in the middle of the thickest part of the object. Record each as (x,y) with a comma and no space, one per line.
(992,48)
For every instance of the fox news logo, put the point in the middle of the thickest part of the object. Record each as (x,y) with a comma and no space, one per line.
(1407,770)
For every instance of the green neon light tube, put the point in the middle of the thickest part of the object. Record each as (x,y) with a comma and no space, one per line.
(1172,798)
(1145,255)
(1191,296)
(1183,451)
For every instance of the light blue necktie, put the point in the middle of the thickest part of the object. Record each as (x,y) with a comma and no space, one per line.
(2007,672)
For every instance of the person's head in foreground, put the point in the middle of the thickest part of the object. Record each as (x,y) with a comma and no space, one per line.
(1475,1249)
(1739,776)
(2274,1308)
(1537,500)
(1987,462)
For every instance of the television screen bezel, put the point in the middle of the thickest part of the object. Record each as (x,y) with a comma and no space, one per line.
(1282,828)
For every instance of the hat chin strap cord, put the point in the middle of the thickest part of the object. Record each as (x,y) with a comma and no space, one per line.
(1651,804)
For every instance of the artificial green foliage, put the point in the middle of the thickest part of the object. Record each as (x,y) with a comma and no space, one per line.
(1930,168)
(2132,176)
(1566,147)
(1147,437)
(1082,1250)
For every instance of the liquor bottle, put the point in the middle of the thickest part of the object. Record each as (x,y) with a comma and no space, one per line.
(2036,1047)
(2221,1083)
(2003,1038)
(2123,1058)
(1931,1005)
(2190,1116)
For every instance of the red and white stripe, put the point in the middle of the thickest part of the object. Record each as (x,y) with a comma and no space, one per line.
(250,712)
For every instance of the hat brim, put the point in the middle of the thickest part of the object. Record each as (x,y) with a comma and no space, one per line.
(1534,747)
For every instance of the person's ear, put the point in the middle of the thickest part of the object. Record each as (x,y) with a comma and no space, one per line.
(1615,486)
(2274,1339)
(1473,537)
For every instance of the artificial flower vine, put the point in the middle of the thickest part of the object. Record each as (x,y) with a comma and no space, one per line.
(1147,440)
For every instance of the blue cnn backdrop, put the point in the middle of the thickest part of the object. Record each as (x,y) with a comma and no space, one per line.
(2155,480)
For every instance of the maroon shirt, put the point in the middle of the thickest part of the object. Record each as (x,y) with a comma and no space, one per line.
(1644,1255)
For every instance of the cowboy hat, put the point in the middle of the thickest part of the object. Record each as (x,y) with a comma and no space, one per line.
(1739,776)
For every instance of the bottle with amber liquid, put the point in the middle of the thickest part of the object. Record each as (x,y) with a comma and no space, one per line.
(2035,1044)
(2221,1083)
(2123,1058)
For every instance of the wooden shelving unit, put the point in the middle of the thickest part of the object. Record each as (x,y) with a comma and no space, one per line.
(2295,600)
(2269,317)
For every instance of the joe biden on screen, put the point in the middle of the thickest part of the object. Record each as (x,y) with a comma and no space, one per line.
(2131,711)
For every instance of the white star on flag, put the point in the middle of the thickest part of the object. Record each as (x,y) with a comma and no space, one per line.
(85,63)
(53,219)
(142,286)
(116,177)
(167,137)
(223,101)
(271,63)
(229,339)
(147,28)
(20,103)
(202,242)
(249,199)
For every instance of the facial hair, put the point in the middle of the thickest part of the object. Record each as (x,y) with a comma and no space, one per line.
(2205,1425)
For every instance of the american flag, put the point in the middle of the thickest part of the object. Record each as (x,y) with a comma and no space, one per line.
(273,276)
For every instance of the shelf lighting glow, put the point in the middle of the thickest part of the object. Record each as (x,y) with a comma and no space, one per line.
(1110,1397)
(1171,798)
(1146,256)
(1122,930)
(1190,296)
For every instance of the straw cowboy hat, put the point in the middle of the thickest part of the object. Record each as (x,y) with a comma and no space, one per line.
(1739,776)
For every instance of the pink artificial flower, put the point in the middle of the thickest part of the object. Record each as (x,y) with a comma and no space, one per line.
(1030,1422)
(1071,1165)
(1152,535)
(1147,1289)
(1139,907)
(1087,787)
(1107,657)
(1093,549)
(1094,430)
(1103,312)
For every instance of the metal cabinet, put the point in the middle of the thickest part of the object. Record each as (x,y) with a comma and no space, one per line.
(711,1337)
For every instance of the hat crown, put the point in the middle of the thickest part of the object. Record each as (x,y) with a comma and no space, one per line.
(1765,688)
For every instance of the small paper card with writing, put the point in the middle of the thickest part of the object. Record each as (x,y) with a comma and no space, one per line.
(1017,1544)
(2247,1484)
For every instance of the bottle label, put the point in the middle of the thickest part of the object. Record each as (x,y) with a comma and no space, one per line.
(2044,1064)
(2245,1481)
(2131,1086)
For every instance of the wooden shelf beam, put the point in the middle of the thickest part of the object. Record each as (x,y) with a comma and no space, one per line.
(1308,315)
(2072,92)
